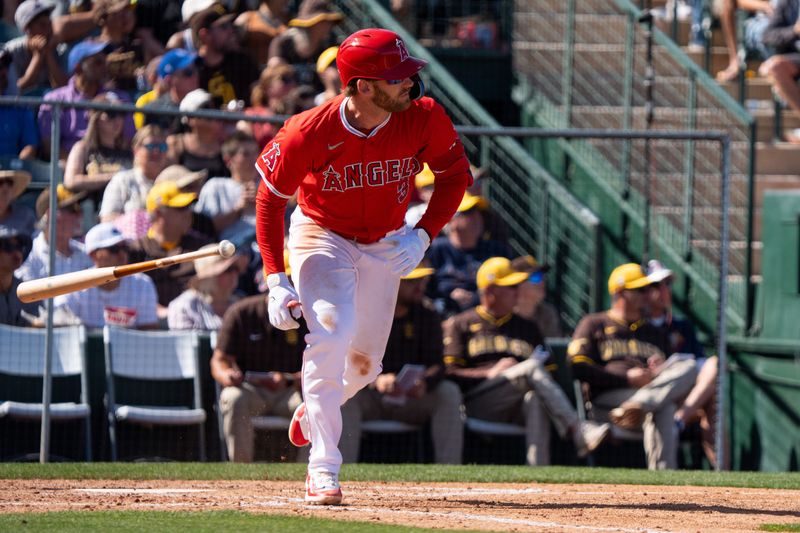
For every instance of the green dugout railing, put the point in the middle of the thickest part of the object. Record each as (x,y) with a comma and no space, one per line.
(585,64)
(544,218)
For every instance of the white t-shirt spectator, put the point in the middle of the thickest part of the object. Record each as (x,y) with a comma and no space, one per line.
(192,310)
(36,265)
(131,305)
(220,196)
(127,191)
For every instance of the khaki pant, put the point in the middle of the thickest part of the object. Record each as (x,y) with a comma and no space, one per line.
(240,404)
(660,399)
(441,406)
(525,393)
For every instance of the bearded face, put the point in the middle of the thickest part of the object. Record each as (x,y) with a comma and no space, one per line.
(395,99)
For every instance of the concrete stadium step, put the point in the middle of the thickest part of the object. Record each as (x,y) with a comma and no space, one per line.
(551,27)
(756,89)
(777,158)
(719,59)
(560,6)
(684,28)
(668,187)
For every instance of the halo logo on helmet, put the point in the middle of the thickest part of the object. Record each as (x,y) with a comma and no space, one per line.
(378,54)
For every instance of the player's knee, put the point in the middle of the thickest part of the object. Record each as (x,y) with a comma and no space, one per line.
(448,393)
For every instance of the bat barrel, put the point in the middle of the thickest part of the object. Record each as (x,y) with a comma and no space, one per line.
(41,289)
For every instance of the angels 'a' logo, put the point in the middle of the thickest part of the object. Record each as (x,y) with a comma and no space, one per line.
(401,49)
(402,190)
(271,156)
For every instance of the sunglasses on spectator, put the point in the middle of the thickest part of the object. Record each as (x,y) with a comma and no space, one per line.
(111,115)
(117,248)
(536,277)
(9,245)
(6,182)
(156,147)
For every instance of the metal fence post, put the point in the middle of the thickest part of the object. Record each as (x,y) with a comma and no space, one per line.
(722,440)
(47,381)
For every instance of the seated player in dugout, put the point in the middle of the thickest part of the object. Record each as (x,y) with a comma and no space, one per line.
(497,358)
(415,340)
(258,367)
(620,357)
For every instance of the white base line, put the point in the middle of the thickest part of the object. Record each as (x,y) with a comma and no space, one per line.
(452,515)
(142,491)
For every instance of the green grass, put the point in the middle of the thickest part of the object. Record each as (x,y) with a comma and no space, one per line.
(779,527)
(404,472)
(196,522)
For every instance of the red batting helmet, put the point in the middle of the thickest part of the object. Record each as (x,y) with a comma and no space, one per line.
(377,54)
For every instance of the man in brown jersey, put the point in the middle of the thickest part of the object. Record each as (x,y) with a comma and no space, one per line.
(492,354)
(622,358)
(415,339)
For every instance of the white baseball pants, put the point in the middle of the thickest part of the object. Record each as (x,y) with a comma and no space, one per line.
(348,296)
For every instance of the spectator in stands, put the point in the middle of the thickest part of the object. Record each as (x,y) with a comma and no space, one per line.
(782,35)
(12,184)
(127,302)
(308,36)
(259,27)
(199,147)
(152,91)
(224,72)
(161,18)
(230,202)
(101,154)
(423,183)
(35,62)
(700,404)
(620,356)
(14,248)
(73,20)
(457,255)
(127,190)
(209,295)
(416,340)
(328,75)
(87,64)
(126,55)
(70,255)
(19,136)
(169,234)
(268,98)
(191,182)
(754,27)
(177,77)
(258,367)
(531,302)
(497,359)
(184,38)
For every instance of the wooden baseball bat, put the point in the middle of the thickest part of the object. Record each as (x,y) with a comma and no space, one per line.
(41,289)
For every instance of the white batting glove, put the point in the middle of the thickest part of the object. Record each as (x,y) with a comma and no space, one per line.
(409,248)
(283,303)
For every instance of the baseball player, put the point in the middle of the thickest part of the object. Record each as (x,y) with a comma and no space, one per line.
(351,160)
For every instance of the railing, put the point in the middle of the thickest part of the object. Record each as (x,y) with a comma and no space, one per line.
(544,218)
(585,64)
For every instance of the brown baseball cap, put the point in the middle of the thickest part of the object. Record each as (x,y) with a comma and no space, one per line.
(313,12)
(211,16)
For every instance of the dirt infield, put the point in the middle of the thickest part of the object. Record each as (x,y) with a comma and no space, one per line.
(498,507)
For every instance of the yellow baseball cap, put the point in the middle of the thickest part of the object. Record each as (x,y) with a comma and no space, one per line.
(470,201)
(424,178)
(326,58)
(498,271)
(419,272)
(167,193)
(627,276)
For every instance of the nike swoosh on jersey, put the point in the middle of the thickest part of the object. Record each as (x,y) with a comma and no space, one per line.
(335,146)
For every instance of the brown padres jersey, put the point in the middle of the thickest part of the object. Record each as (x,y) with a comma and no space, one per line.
(476,339)
(604,348)
(247,335)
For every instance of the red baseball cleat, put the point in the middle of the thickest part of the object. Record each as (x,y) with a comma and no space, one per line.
(299,432)
(322,488)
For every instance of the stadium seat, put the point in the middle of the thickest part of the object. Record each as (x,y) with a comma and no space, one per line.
(22,363)
(152,379)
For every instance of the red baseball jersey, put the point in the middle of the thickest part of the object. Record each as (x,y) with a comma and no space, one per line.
(354,183)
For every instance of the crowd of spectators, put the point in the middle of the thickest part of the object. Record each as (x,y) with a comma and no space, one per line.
(473,318)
